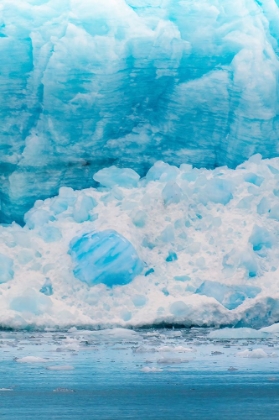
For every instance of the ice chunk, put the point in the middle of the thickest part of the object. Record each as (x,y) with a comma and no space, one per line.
(253,354)
(261,238)
(139,218)
(60,368)
(217,191)
(171,193)
(139,301)
(37,217)
(31,359)
(171,257)
(82,207)
(237,333)
(148,369)
(6,268)
(162,171)
(229,296)
(254,179)
(167,234)
(182,278)
(104,257)
(31,301)
(50,234)
(263,206)
(179,309)
(123,177)
(47,288)
(274,212)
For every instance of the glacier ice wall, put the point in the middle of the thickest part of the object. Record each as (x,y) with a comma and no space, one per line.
(85,84)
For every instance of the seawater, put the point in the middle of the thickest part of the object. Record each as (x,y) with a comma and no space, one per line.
(145,374)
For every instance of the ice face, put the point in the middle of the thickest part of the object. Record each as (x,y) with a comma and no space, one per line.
(86,84)
(139,258)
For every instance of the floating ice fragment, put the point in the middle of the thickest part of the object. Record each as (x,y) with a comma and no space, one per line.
(175,349)
(60,368)
(123,177)
(253,354)
(104,257)
(63,390)
(237,333)
(148,369)
(31,359)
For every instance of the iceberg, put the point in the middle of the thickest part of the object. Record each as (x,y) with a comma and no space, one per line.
(89,84)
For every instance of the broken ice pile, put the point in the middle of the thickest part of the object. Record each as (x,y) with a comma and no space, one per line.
(180,245)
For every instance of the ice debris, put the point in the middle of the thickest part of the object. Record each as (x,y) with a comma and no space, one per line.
(104,257)
(204,259)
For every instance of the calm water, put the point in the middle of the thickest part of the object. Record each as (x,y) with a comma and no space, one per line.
(155,374)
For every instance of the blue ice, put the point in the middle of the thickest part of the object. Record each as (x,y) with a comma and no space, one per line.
(229,296)
(104,257)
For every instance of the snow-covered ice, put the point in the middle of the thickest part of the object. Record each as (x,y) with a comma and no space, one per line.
(202,259)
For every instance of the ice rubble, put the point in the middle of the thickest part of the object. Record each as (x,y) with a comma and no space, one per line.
(199,259)
(85,84)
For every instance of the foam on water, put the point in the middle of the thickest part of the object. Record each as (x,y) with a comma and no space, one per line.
(206,242)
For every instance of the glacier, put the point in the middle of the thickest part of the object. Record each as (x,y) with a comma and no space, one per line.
(139,164)
(183,253)
(89,84)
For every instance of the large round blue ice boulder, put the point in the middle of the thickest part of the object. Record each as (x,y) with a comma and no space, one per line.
(104,257)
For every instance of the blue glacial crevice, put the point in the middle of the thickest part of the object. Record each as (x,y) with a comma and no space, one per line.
(86,84)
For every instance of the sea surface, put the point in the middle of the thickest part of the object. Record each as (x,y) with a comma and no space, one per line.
(145,374)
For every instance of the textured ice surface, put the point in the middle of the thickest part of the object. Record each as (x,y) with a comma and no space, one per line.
(85,84)
(104,257)
(205,262)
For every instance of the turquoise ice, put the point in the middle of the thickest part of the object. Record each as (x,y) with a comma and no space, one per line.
(104,257)
(87,84)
